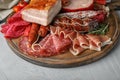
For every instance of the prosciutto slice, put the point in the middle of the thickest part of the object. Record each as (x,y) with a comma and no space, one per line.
(105,40)
(76,48)
(83,42)
(94,42)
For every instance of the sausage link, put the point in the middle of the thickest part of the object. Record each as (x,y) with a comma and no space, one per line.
(43,31)
(33,33)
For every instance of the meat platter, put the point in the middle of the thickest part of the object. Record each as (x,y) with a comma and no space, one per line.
(66,43)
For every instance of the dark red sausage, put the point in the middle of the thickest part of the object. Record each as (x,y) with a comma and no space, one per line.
(33,33)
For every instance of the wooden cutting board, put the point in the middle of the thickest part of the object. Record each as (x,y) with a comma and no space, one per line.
(67,59)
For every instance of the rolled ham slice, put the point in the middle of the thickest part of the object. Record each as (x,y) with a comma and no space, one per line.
(41,11)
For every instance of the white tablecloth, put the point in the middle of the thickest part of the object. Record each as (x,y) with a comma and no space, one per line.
(13,67)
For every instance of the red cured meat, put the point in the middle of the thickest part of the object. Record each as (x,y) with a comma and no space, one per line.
(27,30)
(76,48)
(103,2)
(14,30)
(83,42)
(5,27)
(94,42)
(16,17)
(100,17)
(14,27)
(44,40)
(50,45)
(61,44)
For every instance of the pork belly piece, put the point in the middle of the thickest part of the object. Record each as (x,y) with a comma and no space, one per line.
(41,11)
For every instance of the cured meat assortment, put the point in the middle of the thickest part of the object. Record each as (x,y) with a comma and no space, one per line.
(79,21)
(43,32)
(61,40)
(81,42)
(50,45)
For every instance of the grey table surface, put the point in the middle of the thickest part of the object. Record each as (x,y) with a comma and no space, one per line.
(13,67)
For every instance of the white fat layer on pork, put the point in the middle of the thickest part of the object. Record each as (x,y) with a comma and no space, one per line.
(43,17)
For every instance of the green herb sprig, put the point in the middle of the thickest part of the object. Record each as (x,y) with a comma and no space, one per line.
(103,28)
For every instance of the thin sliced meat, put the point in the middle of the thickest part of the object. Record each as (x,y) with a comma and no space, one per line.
(49,45)
(61,44)
(27,30)
(96,40)
(62,32)
(53,30)
(71,35)
(84,43)
(48,50)
(105,40)
(5,27)
(93,46)
(14,27)
(15,18)
(24,45)
(42,42)
(14,30)
(76,49)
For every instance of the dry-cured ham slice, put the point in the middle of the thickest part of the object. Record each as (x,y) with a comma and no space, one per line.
(76,48)
(62,32)
(93,46)
(95,42)
(105,40)
(84,43)
(71,35)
